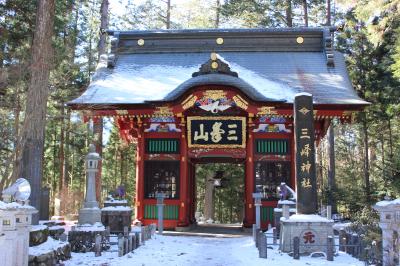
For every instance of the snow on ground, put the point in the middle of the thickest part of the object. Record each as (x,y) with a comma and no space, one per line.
(199,251)
(46,247)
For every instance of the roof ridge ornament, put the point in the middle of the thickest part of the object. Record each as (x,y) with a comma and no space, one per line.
(328,48)
(215,65)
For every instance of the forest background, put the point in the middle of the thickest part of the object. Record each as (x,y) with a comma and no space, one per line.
(367,151)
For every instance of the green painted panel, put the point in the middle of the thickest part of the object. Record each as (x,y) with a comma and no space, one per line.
(272,146)
(171,212)
(162,145)
(267,214)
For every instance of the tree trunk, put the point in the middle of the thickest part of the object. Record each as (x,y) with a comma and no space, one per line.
(385,178)
(217,13)
(209,200)
(99,124)
(305,10)
(98,142)
(168,17)
(366,160)
(328,13)
(331,168)
(103,27)
(30,163)
(289,20)
(61,157)
(391,161)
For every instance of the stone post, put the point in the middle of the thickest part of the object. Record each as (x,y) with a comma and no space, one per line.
(257,203)
(329,212)
(285,211)
(262,246)
(296,248)
(274,235)
(97,246)
(120,245)
(342,240)
(305,154)
(90,213)
(209,202)
(330,247)
(160,206)
(254,232)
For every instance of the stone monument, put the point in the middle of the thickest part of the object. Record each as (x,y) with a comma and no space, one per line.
(91,213)
(389,222)
(82,237)
(312,230)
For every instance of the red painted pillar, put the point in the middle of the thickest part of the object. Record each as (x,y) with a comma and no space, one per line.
(184,195)
(139,208)
(249,214)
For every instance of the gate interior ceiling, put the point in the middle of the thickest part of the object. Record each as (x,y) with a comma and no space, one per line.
(192,96)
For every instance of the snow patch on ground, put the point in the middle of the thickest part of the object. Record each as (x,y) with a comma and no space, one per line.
(202,251)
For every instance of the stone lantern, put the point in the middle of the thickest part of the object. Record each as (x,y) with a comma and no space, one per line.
(90,213)
(389,222)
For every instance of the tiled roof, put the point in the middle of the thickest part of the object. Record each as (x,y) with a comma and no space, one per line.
(136,77)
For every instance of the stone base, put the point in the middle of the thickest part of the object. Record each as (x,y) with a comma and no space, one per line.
(185,228)
(84,241)
(38,235)
(312,230)
(117,218)
(51,257)
(89,216)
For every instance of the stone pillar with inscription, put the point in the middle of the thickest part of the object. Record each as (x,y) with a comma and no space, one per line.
(305,154)
(312,230)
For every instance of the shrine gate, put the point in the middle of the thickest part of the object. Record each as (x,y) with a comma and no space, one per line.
(190,96)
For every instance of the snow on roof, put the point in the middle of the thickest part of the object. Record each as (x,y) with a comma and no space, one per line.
(14,205)
(306,218)
(116,208)
(137,78)
(35,228)
(385,203)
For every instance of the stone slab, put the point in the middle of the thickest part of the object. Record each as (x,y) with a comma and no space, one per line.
(89,216)
(313,235)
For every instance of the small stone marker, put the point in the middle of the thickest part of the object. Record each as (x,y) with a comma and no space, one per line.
(255,233)
(160,207)
(137,240)
(108,233)
(142,235)
(97,245)
(329,252)
(125,231)
(130,243)
(296,248)
(257,202)
(274,235)
(126,245)
(120,245)
(342,240)
(263,246)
